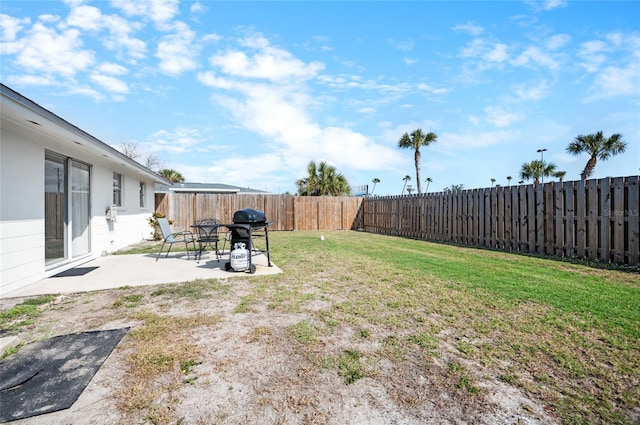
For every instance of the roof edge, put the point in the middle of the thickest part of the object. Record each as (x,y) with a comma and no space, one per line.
(50,116)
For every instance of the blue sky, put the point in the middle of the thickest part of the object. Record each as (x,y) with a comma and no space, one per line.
(247,93)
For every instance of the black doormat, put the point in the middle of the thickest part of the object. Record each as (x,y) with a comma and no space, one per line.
(76,271)
(47,376)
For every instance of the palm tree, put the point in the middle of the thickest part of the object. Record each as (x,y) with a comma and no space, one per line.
(492,181)
(405,179)
(598,147)
(414,141)
(172,175)
(429,180)
(409,189)
(560,175)
(521,182)
(375,181)
(509,181)
(537,169)
(454,188)
(322,179)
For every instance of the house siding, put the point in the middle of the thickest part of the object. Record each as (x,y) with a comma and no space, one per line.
(22,228)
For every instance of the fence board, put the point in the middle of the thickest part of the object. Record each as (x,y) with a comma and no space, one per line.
(605,219)
(559,225)
(523,218)
(581,222)
(569,220)
(592,220)
(633,218)
(515,217)
(540,243)
(618,215)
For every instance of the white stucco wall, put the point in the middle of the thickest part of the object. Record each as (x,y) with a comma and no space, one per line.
(21,211)
(22,238)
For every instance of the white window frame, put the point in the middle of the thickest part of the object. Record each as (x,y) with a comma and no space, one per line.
(118,185)
(143,195)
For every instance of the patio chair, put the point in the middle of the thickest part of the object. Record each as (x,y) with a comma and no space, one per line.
(171,237)
(208,235)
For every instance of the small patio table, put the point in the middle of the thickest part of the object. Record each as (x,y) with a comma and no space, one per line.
(207,232)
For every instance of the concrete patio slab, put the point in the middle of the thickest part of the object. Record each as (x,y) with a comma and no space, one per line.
(115,271)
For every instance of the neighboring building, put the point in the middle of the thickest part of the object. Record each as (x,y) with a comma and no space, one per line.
(206,188)
(65,196)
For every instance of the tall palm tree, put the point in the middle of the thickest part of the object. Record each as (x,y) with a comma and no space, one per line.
(414,141)
(172,175)
(492,181)
(405,179)
(429,180)
(598,147)
(375,181)
(322,179)
(537,169)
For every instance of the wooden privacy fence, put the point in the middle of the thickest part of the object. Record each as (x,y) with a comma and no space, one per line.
(596,219)
(287,212)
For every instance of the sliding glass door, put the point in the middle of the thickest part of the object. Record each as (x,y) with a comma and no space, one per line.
(55,211)
(67,209)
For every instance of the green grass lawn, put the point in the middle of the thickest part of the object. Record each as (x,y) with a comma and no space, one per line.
(566,334)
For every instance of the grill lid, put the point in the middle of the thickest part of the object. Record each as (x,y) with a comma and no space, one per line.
(248,216)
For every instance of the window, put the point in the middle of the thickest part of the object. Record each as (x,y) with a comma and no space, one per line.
(143,194)
(117,189)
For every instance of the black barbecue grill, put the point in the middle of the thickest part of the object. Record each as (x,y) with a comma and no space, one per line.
(247,224)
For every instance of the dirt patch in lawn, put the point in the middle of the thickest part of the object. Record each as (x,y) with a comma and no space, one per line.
(214,353)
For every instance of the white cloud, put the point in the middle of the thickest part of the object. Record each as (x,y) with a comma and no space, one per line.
(533,92)
(279,112)
(177,142)
(47,51)
(406,45)
(534,56)
(469,28)
(268,62)
(543,5)
(161,12)
(497,54)
(10,27)
(557,41)
(430,89)
(499,117)
(121,36)
(198,8)
(553,4)
(112,68)
(88,18)
(490,52)
(178,52)
(109,83)
(409,61)
(616,81)
(592,54)
(620,52)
